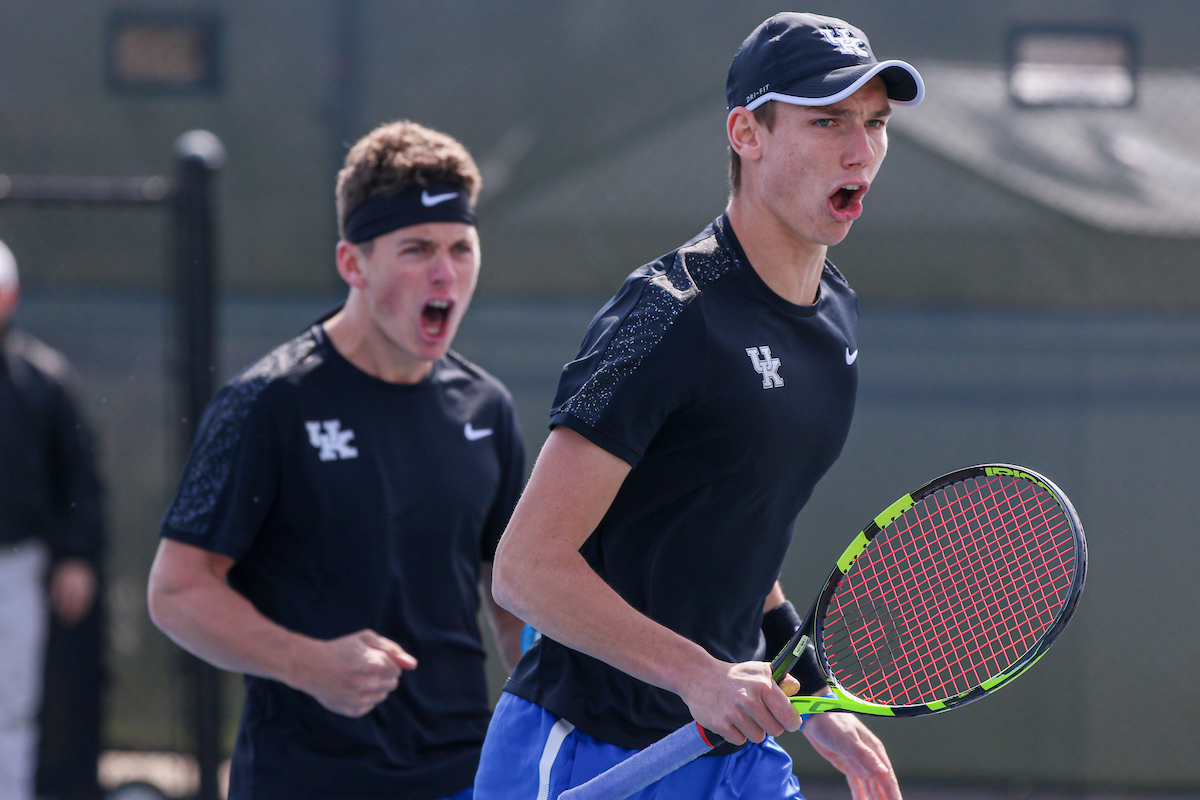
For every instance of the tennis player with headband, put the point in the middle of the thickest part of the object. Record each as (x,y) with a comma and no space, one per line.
(334,528)
(709,397)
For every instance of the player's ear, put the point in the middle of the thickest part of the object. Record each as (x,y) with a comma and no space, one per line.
(745,134)
(349,264)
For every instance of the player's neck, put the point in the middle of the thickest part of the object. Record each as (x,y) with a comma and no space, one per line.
(357,339)
(789,265)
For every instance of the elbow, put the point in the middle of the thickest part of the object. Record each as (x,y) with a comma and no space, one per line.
(518,578)
(506,582)
(164,594)
(158,602)
(530,572)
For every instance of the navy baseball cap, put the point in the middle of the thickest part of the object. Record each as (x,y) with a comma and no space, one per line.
(811,60)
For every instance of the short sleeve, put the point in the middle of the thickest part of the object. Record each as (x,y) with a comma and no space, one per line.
(512,481)
(231,479)
(641,360)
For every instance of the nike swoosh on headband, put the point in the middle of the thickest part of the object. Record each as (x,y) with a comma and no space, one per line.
(428,200)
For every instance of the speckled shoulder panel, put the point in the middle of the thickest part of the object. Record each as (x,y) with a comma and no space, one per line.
(663,298)
(224,423)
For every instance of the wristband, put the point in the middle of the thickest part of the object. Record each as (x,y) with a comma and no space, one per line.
(778,625)
(808,671)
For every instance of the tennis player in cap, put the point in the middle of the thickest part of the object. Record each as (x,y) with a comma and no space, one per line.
(709,397)
(343,500)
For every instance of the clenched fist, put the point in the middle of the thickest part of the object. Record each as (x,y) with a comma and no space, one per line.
(352,674)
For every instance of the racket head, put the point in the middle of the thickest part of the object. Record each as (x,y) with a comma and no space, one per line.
(952,592)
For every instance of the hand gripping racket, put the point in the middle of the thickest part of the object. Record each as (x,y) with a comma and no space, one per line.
(949,594)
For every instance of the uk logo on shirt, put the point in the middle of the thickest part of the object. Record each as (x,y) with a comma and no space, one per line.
(331,440)
(765,365)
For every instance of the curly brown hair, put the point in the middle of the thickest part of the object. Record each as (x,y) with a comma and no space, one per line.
(396,155)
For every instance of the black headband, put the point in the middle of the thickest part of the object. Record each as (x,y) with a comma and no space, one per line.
(412,205)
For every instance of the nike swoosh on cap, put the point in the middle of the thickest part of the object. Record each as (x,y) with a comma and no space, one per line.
(432,200)
(475,434)
(851,357)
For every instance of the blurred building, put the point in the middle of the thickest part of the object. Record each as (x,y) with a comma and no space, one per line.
(561,99)
(979,203)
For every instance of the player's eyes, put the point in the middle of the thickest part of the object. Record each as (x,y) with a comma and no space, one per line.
(877,123)
(823,123)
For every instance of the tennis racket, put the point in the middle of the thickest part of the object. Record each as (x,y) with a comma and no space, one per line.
(952,592)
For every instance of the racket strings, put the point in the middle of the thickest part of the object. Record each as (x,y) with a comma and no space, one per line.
(963,584)
(954,592)
(958,587)
(983,598)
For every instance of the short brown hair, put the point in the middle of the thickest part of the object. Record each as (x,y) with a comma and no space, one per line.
(765,115)
(399,154)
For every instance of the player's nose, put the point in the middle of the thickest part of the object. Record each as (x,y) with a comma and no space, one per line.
(441,268)
(861,149)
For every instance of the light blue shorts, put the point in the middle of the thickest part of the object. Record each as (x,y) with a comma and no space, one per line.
(530,754)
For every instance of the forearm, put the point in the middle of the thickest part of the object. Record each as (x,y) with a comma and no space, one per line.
(213,622)
(192,603)
(774,598)
(506,630)
(556,591)
(541,577)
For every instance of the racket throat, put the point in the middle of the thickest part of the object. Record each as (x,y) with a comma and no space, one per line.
(808,704)
(816,705)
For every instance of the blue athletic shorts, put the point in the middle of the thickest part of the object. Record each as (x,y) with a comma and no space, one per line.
(529,754)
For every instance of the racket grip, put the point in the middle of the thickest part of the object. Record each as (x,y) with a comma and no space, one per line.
(646,766)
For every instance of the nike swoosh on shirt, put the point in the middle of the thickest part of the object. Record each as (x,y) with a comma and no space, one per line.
(475,434)
(432,200)
(851,357)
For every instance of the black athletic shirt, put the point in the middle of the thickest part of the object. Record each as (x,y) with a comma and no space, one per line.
(730,403)
(348,502)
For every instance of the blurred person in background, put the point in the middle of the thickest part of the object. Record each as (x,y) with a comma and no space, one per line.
(50,517)
(334,529)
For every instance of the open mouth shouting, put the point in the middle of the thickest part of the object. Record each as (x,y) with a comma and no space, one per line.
(435,318)
(845,204)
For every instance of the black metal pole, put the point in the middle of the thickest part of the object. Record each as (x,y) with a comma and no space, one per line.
(199,155)
(346,95)
(344,105)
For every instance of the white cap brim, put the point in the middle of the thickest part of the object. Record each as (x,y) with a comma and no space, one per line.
(849,90)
